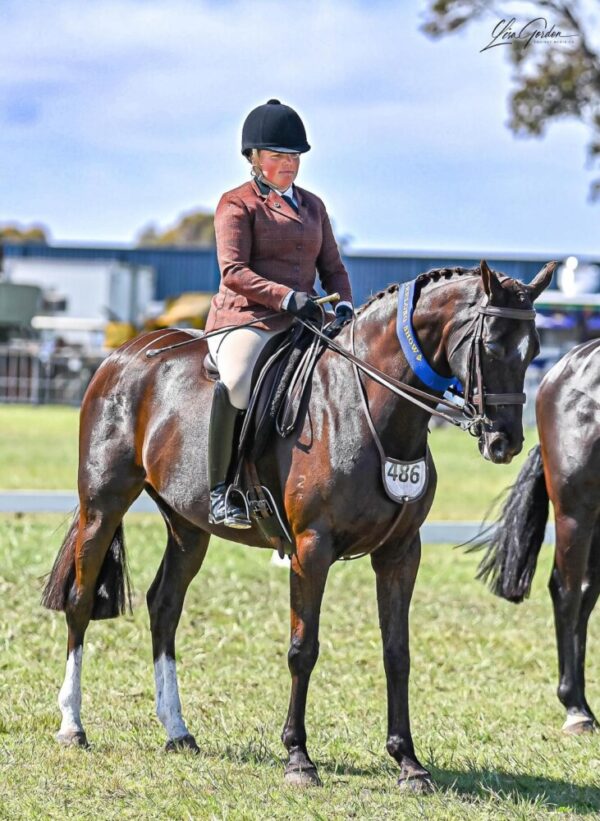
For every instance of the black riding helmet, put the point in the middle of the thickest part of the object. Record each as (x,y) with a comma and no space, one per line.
(276,127)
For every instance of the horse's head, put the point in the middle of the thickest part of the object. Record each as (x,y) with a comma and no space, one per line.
(492,365)
(488,341)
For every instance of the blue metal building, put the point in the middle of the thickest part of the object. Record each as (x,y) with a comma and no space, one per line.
(179,269)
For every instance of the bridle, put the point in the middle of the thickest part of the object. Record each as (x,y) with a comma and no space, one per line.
(475,399)
(475,394)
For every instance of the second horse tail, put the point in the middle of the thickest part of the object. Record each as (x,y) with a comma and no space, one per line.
(512,552)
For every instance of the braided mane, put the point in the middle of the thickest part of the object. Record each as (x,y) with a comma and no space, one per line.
(433,275)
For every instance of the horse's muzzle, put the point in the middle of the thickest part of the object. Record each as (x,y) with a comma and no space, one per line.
(496,447)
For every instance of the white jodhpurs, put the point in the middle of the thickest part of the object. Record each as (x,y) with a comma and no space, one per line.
(236,354)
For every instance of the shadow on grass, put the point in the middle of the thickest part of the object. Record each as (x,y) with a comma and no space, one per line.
(519,788)
(548,793)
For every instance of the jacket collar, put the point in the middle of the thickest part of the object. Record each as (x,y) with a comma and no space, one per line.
(277,203)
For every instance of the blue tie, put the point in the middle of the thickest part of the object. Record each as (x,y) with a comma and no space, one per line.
(290,202)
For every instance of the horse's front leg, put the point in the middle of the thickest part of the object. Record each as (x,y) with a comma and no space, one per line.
(308,574)
(396,570)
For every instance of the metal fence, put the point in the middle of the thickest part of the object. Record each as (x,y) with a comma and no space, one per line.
(32,374)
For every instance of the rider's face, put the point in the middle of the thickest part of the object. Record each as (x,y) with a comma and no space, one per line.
(280,169)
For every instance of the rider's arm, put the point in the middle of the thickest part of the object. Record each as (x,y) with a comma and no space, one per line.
(233,231)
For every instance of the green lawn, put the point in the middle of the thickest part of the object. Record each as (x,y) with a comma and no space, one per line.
(38,447)
(484,712)
(38,450)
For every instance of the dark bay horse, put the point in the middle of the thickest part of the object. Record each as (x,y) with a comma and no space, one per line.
(565,468)
(144,426)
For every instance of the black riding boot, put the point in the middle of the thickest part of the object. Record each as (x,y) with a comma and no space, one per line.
(223,417)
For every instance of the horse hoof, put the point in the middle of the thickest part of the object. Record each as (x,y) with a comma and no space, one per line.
(73,739)
(184,742)
(581,727)
(418,785)
(308,777)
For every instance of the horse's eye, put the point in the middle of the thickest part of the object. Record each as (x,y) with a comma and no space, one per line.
(494,349)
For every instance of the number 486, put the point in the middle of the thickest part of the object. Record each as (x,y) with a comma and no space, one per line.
(404,473)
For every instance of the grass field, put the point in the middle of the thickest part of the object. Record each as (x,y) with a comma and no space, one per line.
(485,717)
(484,713)
(38,450)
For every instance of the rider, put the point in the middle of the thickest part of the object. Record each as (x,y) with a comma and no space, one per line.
(271,236)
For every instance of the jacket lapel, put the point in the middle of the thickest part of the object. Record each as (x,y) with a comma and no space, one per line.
(277,203)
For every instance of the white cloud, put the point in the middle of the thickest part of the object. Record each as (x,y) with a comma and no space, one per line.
(114,112)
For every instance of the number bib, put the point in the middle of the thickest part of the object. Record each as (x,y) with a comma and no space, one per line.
(405,481)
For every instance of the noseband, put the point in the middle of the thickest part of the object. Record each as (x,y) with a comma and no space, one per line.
(475,394)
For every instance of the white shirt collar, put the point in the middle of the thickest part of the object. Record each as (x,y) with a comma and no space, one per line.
(289,192)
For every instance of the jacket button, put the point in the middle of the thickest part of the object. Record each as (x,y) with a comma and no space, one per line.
(277,205)
(298,247)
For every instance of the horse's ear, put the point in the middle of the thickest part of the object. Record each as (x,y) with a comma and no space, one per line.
(491,283)
(541,280)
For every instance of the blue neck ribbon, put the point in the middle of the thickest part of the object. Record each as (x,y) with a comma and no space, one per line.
(410,345)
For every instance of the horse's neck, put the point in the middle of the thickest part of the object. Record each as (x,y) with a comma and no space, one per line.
(400,425)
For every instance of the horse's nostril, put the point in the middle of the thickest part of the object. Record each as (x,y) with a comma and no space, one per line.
(498,447)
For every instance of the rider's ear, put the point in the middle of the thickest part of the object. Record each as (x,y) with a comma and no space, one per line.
(491,284)
(541,280)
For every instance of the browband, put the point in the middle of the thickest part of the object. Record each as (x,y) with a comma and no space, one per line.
(507,313)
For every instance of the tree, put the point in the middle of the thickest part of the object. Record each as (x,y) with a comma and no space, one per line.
(15,233)
(195,229)
(553,77)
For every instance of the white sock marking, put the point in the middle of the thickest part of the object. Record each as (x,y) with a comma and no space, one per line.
(69,697)
(575,718)
(168,705)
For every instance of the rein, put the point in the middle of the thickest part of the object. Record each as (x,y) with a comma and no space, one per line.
(415,395)
(475,398)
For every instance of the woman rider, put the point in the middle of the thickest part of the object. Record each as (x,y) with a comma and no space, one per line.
(271,236)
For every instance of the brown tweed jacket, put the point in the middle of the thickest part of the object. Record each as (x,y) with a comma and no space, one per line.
(264,249)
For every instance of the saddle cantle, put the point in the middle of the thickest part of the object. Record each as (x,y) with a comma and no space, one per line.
(279,383)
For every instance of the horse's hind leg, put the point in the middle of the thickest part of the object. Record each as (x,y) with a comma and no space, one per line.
(574,587)
(186,549)
(308,574)
(591,592)
(97,529)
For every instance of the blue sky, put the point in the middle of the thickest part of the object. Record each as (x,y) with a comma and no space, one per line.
(116,113)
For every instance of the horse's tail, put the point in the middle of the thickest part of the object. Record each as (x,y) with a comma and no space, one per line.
(113,589)
(511,556)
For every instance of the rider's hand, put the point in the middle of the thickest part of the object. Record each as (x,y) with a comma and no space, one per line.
(300,304)
(343,315)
